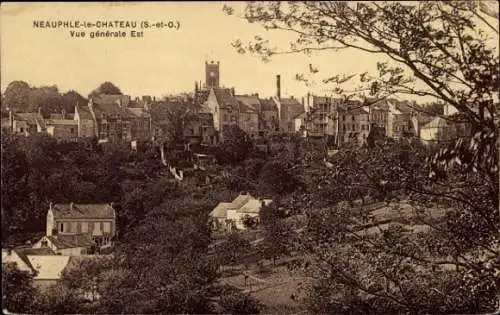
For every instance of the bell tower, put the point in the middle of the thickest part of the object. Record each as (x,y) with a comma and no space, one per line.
(212,74)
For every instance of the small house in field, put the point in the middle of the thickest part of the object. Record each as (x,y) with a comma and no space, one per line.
(228,216)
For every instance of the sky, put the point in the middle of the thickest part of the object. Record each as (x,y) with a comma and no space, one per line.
(162,62)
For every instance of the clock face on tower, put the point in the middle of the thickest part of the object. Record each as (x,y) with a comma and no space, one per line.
(212,74)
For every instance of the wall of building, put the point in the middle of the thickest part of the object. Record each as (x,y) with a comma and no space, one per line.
(77,226)
(249,122)
(63,132)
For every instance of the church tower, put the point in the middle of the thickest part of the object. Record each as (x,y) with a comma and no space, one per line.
(212,74)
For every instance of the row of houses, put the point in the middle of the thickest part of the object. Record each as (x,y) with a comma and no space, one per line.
(107,117)
(212,110)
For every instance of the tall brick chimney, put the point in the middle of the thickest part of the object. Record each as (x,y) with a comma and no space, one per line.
(278,86)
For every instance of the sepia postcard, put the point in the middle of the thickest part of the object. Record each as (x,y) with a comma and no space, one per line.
(326,157)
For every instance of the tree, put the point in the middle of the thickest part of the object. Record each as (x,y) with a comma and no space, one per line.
(236,146)
(71,99)
(107,88)
(233,247)
(18,292)
(275,178)
(16,96)
(170,117)
(434,49)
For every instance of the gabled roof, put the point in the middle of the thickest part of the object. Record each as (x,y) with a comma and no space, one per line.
(242,203)
(24,251)
(292,106)
(253,205)
(83,112)
(63,241)
(118,99)
(268,105)
(220,211)
(248,103)
(225,98)
(68,122)
(30,118)
(104,110)
(48,267)
(92,211)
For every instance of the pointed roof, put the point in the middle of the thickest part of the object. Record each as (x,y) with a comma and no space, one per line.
(225,98)
(48,267)
(268,105)
(248,103)
(93,211)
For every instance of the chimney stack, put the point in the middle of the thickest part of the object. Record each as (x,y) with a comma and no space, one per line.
(40,111)
(70,206)
(278,86)
(63,112)
(232,91)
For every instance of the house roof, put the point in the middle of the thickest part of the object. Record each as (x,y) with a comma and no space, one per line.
(224,97)
(94,211)
(220,211)
(84,112)
(437,122)
(268,105)
(48,267)
(62,241)
(118,99)
(112,110)
(253,205)
(248,103)
(24,251)
(67,122)
(30,118)
(292,106)
(242,204)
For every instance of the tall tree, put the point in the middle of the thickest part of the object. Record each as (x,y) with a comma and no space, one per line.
(18,292)
(106,88)
(72,99)
(17,95)
(436,49)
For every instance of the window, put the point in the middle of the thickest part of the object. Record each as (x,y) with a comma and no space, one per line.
(44,243)
(362,127)
(21,129)
(353,127)
(72,130)
(343,127)
(224,118)
(106,227)
(343,117)
(353,119)
(61,227)
(85,227)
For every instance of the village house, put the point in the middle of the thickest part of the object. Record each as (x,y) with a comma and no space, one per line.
(224,109)
(79,229)
(26,123)
(115,121)
(249,109)
(62,129)
(198,128)
(227,216)
(354,123)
